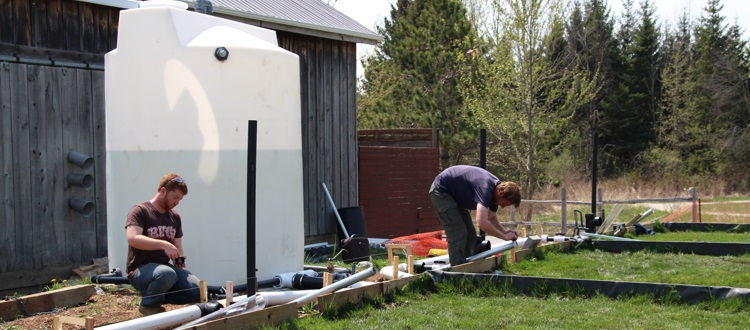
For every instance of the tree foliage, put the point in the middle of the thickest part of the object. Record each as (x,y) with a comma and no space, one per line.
(411,81)
(543,76)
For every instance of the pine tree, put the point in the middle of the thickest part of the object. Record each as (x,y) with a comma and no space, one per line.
(628,123)
(411,79)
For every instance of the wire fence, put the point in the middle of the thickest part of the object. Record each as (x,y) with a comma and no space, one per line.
(565,225)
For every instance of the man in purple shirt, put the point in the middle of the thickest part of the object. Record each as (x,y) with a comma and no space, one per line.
(461,188)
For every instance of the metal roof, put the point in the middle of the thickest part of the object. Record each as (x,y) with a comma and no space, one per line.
(300,16)
(314,15)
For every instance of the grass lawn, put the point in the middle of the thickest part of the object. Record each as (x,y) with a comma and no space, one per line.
(641,266)
(692,236)
(455,307)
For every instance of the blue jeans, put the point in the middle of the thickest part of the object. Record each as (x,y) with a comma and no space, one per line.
(159,284)
(456,221)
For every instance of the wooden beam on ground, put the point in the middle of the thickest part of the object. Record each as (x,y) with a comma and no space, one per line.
(398,284)
(351,295)
(45,301)
(270,316)
(477,266)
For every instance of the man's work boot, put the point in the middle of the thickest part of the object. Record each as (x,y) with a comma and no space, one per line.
(151,310)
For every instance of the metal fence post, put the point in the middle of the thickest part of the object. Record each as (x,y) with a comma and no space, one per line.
(564,211)
(695,214)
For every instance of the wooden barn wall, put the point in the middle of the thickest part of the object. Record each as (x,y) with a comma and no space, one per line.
(46,112)
(59,29)
(394,184)
(329,128)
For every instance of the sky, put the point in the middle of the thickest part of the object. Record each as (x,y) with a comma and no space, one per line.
(372,12)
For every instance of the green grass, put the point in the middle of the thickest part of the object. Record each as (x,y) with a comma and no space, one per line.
(692,236)
(454,306)
(641,266)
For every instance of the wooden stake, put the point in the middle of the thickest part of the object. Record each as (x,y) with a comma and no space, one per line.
(327,279)
(395,267)
(204,291)
(410,264)
(539,228)
(230,293)
(523,231)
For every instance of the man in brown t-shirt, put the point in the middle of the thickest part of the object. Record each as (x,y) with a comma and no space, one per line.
(154,232)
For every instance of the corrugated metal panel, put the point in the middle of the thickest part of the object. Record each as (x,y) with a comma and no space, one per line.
(312,14)
(307,14)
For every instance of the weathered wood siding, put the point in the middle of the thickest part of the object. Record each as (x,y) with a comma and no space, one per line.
(46,112)
(58,29)
(329,128)
(48,107)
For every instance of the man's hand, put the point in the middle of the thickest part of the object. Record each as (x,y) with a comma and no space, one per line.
(179,262)
(171,251)
(510,236)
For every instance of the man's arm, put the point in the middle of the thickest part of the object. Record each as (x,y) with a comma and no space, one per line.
(139,241)
(487,221)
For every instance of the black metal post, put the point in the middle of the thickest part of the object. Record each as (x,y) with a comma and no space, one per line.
(252,148)
(594,158)
(482,161)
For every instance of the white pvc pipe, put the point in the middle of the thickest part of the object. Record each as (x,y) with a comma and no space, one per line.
(254,302)
(645,214)
(335,286)
(387,272)
(433,260)
(614,238)
(493,251)
(274,298)
(166,320)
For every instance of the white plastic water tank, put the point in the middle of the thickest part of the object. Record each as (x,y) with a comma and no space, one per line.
(172,106)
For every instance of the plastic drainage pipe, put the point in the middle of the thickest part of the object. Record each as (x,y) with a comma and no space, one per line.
(614,238)
(387,272)
(286,279)
(335,286)
(249,304)
(274,298)
(494,251)
(165,320)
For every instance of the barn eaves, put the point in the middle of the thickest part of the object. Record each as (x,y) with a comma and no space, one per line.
(310,17)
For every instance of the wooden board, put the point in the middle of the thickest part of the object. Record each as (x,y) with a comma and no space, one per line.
(46,301)
(353,295)
(268,316)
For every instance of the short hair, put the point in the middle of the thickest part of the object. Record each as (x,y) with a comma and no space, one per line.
(511,192)
(173,181)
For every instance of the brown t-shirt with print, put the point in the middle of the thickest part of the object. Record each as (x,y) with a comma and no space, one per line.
(164,226)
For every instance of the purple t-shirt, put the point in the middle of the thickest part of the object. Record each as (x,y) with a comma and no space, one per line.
(164,226)
(468,185)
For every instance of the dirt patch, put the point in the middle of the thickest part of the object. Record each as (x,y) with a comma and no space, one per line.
(111,304)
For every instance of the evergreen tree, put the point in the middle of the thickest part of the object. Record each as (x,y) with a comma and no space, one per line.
(411,79)
(628,123)
(592,42)
(679,126)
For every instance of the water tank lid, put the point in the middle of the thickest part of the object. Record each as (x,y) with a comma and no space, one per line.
(163,3)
